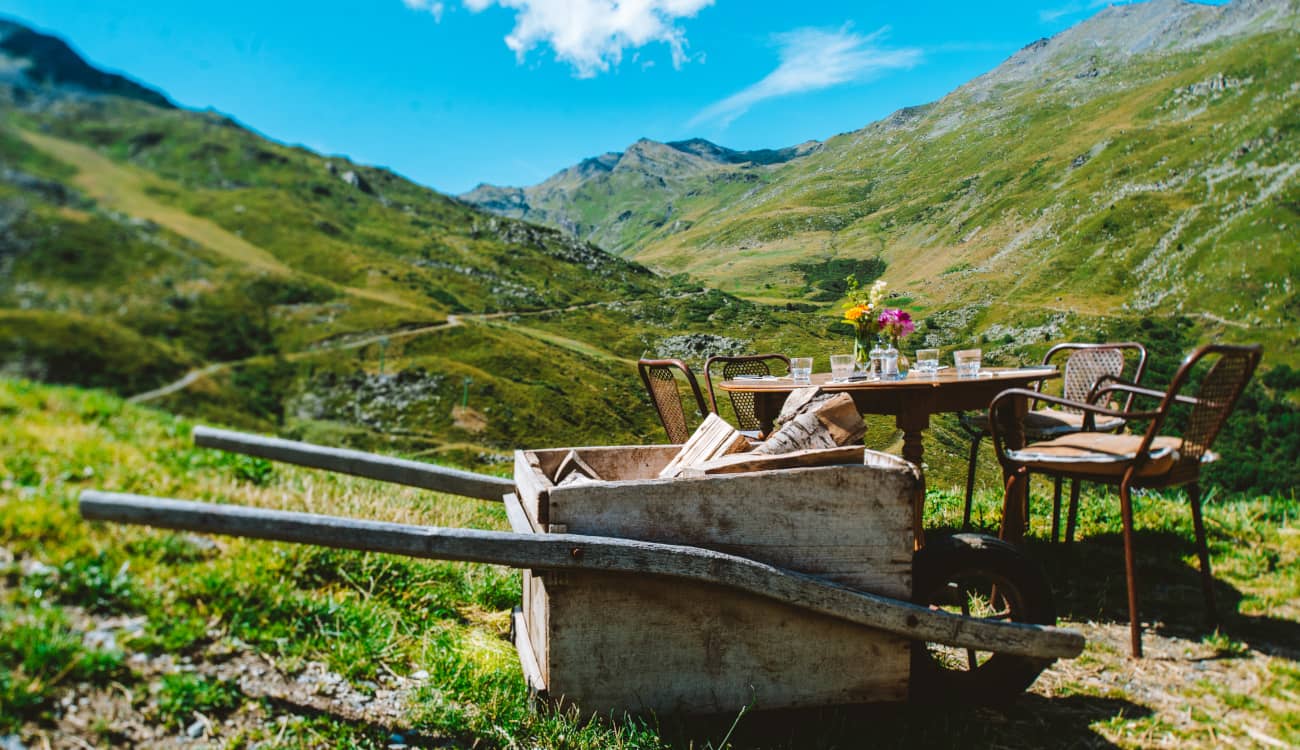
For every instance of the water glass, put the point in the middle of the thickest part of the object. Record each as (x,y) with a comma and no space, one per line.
(927,361)
(801,369)
(841,367)
(968,362)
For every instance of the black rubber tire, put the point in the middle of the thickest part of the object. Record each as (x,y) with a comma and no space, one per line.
(978,561)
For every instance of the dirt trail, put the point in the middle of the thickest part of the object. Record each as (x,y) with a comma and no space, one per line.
(193,375)
(453,321)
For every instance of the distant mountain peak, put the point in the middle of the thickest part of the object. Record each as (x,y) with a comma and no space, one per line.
(31,60)
(1125,29)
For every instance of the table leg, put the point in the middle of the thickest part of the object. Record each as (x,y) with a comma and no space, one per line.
(1015,512)
(767,407)
(913,422)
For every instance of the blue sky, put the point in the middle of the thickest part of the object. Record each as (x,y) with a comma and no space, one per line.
(455,92)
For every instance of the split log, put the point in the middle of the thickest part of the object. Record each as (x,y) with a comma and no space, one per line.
(714,438)
(812,419)
(738,463)
(574,470)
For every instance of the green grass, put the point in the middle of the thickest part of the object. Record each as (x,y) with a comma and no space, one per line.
(364,616)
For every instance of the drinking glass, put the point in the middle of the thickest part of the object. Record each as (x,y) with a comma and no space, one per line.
(841,367)
(801,369)
(927,361)
(968,362)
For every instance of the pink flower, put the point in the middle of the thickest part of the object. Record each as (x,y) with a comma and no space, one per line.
(895,323)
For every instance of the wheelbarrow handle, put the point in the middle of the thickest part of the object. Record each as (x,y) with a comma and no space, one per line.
(357,463)
(582,552)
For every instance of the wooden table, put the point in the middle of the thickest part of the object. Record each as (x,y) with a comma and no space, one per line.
(911,400)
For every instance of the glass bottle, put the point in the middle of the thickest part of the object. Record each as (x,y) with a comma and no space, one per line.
(888,360)
(878,353)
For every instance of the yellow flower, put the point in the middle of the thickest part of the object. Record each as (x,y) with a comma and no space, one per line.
(853,314)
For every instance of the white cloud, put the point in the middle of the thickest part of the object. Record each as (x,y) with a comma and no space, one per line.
(813,59)
(1078,6)
(433,7)
(591,35)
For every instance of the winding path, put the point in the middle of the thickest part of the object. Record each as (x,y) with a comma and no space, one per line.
(453,321)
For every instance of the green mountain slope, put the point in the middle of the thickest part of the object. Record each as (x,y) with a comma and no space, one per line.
(141,245)
(1144,162)
(179,258)
(622,200)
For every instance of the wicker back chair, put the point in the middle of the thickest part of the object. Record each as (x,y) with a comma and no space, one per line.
(741,403)
(1150,460)
(660,378)
(1083,367)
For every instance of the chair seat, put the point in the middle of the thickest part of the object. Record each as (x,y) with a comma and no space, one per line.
(1045,424)
(1098,453)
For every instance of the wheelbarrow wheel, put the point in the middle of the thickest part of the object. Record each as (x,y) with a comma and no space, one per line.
(977,576)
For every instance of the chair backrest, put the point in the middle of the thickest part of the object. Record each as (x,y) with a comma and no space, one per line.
(749,364)
(1230,367)
(1085,364)
(660,378)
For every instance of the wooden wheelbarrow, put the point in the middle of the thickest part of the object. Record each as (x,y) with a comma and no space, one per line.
(770,589)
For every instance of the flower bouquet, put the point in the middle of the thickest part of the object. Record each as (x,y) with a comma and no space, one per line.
(865,311)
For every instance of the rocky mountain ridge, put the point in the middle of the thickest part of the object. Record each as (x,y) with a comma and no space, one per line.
(35,63)
(654,171)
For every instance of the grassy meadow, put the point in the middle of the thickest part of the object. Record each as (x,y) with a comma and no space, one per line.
(114,635)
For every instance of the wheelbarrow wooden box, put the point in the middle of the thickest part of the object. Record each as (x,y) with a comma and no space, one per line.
(771,589)
(608,641)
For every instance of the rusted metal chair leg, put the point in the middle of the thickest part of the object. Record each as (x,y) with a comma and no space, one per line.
(1130,570)
(1203,552)
(970,480)
(1056,510)
(1072,515)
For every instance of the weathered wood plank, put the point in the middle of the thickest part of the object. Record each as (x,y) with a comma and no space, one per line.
(847,524)
(357,463)
(648,643)
(532,486)
(579,552)
(527,655)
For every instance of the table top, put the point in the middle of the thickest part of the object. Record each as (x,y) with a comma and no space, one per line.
(1008,377)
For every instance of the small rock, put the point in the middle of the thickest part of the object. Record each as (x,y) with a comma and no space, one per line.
(36,568)
(420,674)
(12,742)
(196,729)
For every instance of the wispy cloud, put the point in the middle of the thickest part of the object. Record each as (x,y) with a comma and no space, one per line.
(1077,6)
(813,59)
(591,35)
(433,7)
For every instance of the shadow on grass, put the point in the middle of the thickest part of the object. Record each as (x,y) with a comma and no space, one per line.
(1087,578)
(1031,721)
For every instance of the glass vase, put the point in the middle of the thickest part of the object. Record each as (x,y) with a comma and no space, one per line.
(862,353)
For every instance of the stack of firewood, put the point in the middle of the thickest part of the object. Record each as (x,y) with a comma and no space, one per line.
(813,429)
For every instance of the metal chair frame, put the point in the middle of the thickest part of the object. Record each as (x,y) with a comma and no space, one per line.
(1074,388)
(741,403)
(661,383)
(1217,394)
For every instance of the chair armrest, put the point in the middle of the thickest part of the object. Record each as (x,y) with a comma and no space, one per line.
(1081,406)
(1005,398)
(1100,390)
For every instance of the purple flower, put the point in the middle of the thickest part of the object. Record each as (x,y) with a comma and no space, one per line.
(895,323)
